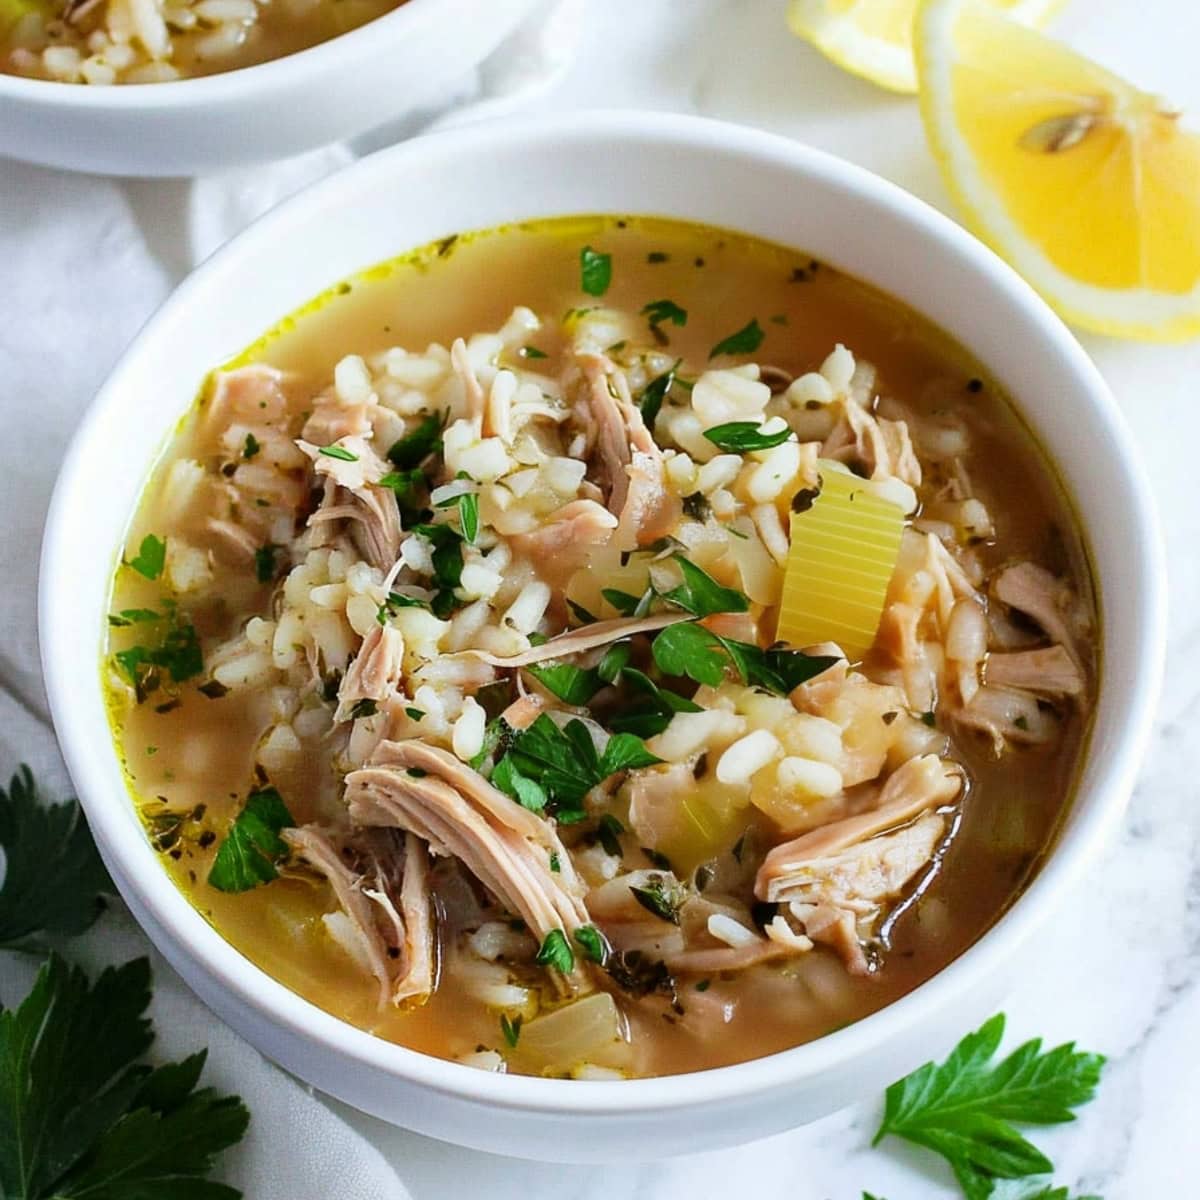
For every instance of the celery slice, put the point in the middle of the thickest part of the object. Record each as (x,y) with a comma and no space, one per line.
(843,552)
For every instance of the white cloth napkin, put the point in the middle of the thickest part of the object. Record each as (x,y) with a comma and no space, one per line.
(83,263)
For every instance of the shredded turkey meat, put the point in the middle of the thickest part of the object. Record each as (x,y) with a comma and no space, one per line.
(381,886)
(428,792)
(839,876)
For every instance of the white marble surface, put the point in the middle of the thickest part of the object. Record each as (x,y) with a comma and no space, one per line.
(1120,969)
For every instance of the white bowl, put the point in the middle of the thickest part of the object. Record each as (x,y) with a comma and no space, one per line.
(334,90)
(619,163)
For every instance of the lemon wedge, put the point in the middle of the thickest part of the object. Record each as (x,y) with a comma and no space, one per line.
(873,38)
(1088,186)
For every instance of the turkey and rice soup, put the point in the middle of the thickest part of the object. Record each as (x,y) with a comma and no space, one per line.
(602,648)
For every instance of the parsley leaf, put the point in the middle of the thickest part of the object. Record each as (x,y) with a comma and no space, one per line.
(745,341)
(467,504)
(250,447)
(510,1029)
(963,1109)
(556,952)
(508,778)
(178,653)
(690,650)
(132,616)
(615,658)
(565,763)
(661,312)
(595,271)
(532,352)
(151,557)
(740,437)
(447,557)
(573,685)
(593,944)
(394,603)
(628,605)
(82,1118)
(660,897)
(53,876)
(608,834)
(701,594)
(653,394)
(338,452)
(413,448)
(252,848)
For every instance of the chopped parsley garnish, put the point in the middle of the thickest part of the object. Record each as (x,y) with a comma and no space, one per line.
(264,562)
(555,862)
(178,654)
(573,685)
(929,718)
(652,714)
(510,1029)
(415,714)
(595,271)
(132,616)
(701,594)
(444,603)
(628,605)
(532,352)
(745,341)
(593,944)
(151,557)
(447,556)
(53,876)
(581,614)
(338,452)
(650,401)
(252,848)
(83,1117)
(657,256)
(660,897)
(691,650)
(394,603)
(608,834)
(963,1109)
(565,763)
(614,662)
(413,448)
(467,504)
(508,778)
(407,485)
(250,447)
(366,707)
(741,437)
(663,312)
(556,952)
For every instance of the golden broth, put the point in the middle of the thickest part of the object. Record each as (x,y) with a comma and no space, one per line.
(197,757)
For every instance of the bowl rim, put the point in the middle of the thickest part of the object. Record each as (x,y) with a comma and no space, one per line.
(337,54)
(183,926)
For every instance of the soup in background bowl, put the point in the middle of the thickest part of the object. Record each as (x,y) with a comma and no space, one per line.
(560,810)
(483,598)
(249,82)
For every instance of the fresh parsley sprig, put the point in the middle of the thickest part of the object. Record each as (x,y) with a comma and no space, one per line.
(252,849)
(564,762)
(83,1118)
(54,881)
(964,1109)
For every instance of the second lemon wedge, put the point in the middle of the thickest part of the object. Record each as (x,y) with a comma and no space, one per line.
(873,38)
(1087,185)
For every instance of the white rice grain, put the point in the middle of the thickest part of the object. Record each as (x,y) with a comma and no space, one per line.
(748,755)
(468,730)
